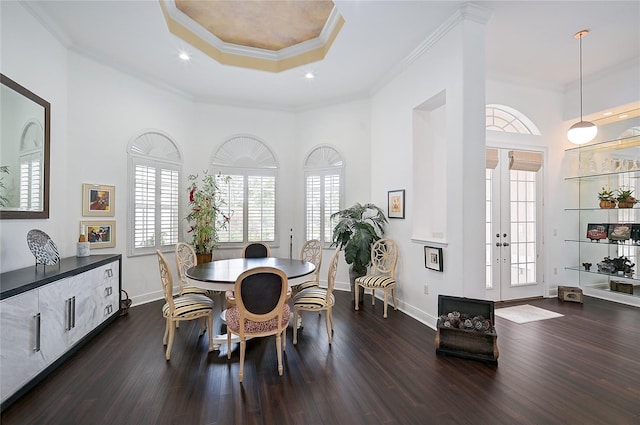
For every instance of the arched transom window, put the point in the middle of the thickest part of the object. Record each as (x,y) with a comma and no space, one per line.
(154,185)
(323,170)
(247,170)
(504,118)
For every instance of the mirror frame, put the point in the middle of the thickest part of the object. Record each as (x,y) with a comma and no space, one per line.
(44,213)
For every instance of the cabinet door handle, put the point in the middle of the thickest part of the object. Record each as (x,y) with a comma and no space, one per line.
(67,309)
(36,320)
(505,244)
(73,312)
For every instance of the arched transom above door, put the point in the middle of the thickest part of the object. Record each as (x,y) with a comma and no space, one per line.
(266,35)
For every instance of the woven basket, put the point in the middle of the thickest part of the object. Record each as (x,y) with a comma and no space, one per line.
(125,302)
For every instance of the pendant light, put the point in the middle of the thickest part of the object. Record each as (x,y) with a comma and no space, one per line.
(582,131)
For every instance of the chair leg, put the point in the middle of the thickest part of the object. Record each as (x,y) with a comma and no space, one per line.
(385,304)
(327,315)
(373,296)
(172,331)
(356,288)
(279,351)
(228,343)
(243,344)
(295,325)
(166,331)
(203,325)
(210,319)
(393,295)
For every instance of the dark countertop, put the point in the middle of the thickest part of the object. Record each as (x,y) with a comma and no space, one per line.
(18,281)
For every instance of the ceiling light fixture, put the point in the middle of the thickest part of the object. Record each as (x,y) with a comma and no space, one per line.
(184,56)
(309,75)
(582,131)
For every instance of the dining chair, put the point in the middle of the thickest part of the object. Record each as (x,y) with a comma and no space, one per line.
(185,259)
(318,299)
(256,250)
(250,250)
(182,307)
(312,252)
(260,310)
(384,256)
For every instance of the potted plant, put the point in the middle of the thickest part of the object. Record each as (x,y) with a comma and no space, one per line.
(355,231)
(607,198)
(205,217)
(624,198)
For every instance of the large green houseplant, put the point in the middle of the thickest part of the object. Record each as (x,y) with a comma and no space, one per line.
(356,230)
(205,216)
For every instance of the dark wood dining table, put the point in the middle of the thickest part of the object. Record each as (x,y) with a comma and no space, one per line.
(221,275)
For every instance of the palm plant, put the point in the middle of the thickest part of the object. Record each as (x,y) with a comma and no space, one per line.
(357,228)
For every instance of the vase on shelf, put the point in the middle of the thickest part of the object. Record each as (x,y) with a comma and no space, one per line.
(607,204)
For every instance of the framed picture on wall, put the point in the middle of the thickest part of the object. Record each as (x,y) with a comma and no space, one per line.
(433,258)
(396,204)
(100,234)
(98,200)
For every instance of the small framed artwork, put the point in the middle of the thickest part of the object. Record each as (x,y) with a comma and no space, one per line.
(100,234)
(396,204)
(433,258)
(619,232)
(98,200)
(598,231)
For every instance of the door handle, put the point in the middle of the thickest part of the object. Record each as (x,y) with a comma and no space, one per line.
(36,319)
(505,244)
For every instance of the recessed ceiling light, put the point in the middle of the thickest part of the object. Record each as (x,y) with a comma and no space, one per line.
(184,56)
(309,75)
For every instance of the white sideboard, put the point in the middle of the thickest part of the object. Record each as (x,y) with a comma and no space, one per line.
(47,313)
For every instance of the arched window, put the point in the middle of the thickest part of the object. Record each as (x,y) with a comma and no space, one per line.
(323,171)
(504,118)
(30,160)
(247,170)
(154,184)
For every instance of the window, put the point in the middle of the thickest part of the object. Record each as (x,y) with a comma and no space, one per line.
(154,183)
(31,148)
(323,171)
(504,118)
(247,171)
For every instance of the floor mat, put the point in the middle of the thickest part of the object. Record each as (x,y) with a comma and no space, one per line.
(525,313)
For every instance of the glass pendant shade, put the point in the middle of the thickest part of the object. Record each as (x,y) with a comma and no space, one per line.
(582,132)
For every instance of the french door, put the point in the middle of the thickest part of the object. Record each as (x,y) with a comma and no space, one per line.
(513,231)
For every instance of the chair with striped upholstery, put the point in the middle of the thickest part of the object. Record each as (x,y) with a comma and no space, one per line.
(318,299)
(384,256)
(256,250)
(312,252)
(260,310)
(182,307)
(185,259)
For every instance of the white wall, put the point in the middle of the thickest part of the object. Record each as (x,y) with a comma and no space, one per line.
(30,56)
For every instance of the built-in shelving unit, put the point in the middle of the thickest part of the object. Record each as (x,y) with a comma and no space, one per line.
(612,162)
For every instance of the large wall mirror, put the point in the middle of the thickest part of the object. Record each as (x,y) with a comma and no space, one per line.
(24,152)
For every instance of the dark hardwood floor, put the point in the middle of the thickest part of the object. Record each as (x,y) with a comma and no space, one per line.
(583,368)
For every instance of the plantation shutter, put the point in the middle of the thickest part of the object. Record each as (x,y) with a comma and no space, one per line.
(331,203)
(144,209)
(313,207)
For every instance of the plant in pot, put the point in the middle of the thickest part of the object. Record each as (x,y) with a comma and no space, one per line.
(625,198)
(607,198)
(205,217)
(355,231)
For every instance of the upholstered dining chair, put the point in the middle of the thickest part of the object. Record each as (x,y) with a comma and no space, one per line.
(260,310)
(250,250)
(185,259)
(256,250)
(318,299)
(312,252)
(182,307)
(384,256)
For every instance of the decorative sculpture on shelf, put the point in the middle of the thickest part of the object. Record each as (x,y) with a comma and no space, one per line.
(43,248)
(615,265)
(587,266)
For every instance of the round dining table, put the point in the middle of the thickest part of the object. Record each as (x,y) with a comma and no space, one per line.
(221,275)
